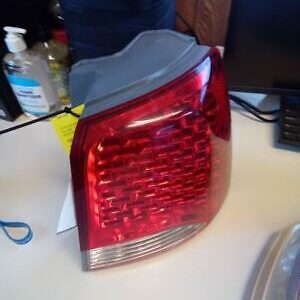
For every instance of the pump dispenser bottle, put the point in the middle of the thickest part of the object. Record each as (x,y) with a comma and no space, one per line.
(28,75)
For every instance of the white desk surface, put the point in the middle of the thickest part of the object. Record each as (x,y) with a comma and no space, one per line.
(216,264)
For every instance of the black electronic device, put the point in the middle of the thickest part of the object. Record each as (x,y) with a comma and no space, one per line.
(289,120)
(262,52)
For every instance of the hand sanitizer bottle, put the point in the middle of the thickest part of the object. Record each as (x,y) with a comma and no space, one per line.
(28,75)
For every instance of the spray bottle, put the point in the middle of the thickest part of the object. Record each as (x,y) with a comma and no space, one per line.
(28,75)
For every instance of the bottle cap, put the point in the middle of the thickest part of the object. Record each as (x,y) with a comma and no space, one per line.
(14,39)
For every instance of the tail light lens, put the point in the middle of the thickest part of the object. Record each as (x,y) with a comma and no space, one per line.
(278,276)
(148,174)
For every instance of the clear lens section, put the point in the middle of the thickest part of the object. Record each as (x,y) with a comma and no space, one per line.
(117,254)
(279,277)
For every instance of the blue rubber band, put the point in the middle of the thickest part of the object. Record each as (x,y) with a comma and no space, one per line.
(20,241)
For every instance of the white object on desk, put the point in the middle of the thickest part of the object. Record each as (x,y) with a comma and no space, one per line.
(67,218)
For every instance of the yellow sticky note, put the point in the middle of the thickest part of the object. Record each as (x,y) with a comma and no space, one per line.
(64,126)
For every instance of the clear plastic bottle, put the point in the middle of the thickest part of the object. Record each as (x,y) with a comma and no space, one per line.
(56,55)
(28,74)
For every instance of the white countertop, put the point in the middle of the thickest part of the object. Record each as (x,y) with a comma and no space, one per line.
(216,264)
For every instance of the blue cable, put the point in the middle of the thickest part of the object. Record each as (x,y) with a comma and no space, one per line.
(20,241)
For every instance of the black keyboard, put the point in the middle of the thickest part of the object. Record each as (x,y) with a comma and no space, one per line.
(289,120)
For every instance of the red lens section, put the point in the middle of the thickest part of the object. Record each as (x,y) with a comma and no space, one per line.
(157,162)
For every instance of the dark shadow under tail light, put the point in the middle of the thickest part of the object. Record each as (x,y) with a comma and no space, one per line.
(151,156)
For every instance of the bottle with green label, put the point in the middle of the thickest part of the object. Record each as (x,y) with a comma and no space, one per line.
(28,75)
(56,55)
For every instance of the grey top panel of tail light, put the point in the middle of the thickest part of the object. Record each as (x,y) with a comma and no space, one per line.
(151,60)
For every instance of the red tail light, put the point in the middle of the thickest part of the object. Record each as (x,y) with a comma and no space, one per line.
(149,173)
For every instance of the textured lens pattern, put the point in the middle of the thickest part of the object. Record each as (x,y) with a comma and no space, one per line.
(155,164)
(155,175)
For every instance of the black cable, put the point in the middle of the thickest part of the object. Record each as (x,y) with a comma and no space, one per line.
(255,111)
(66,110)
(190,28)
(238,100)
(258,116)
